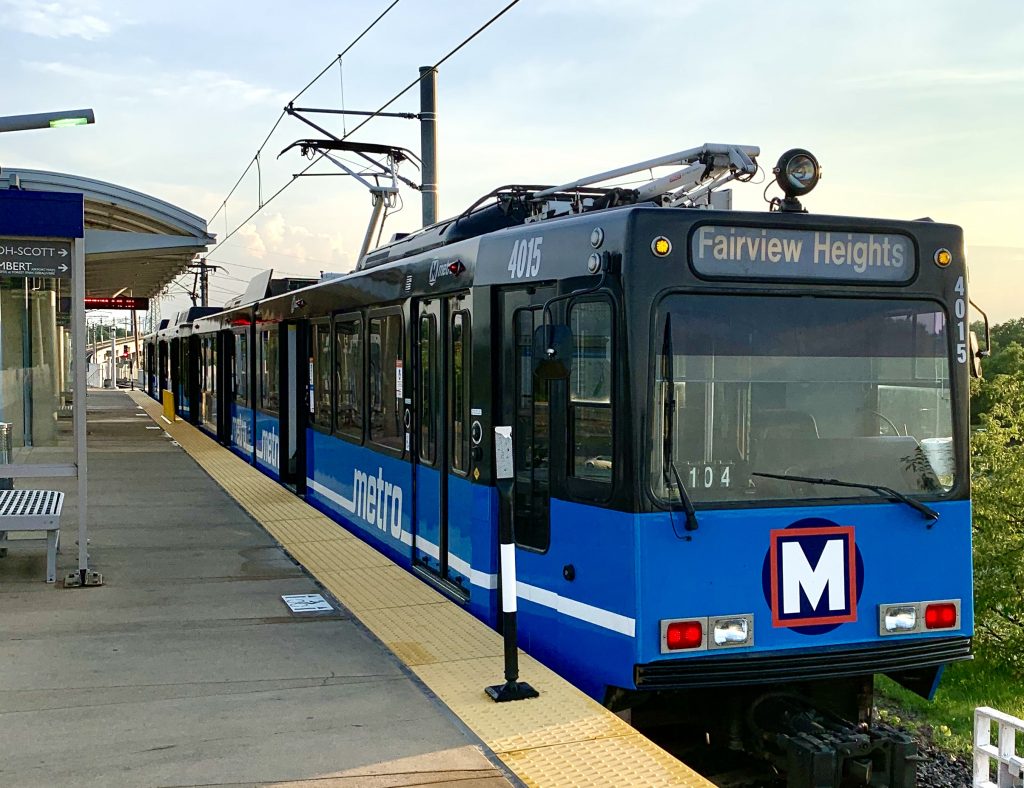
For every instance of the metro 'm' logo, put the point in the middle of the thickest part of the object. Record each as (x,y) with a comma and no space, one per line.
(813,576)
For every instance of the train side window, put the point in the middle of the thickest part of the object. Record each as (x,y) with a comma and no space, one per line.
(241,369)
(385,395)
(268,371)
(428,393)
(320,357)
(348,377)
(460,391)
(590,391)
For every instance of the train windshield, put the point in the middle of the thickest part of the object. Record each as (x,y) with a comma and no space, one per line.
(850,389)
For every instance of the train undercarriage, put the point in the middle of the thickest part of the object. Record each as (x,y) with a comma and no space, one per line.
(798,735)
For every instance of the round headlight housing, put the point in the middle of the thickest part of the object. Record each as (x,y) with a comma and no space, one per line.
(797,172)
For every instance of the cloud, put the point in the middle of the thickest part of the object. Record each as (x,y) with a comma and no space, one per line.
(942,78)
(212,88)
(289,248)
(56,19)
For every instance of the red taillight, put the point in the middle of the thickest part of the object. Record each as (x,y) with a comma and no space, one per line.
(456,268)
(684,634)
(941,615)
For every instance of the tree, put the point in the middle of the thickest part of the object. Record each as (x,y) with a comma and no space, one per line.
(997,467)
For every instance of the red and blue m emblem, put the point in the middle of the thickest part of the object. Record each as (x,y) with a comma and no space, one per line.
(813,576)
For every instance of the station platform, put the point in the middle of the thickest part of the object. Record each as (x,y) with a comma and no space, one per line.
(186,668)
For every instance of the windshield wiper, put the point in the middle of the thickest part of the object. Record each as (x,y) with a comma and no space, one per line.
(670,415)
(888,492)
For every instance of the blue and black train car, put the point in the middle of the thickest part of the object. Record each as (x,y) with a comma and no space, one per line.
(740,440)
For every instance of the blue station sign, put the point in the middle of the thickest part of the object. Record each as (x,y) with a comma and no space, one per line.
(772,253)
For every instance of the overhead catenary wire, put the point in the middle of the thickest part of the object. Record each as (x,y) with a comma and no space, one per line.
(262,145)
(379,110)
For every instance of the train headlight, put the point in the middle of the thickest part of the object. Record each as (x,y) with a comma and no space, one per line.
(797,172)
(899,618)
(731,631)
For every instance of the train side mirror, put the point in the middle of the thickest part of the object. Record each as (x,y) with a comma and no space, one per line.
(552,352)
(976,354)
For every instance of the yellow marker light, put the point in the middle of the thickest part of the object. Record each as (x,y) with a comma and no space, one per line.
(661,246)
(943,257)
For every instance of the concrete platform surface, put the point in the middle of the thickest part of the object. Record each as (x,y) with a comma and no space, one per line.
(186,668)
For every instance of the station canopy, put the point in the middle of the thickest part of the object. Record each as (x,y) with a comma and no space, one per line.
(135,244)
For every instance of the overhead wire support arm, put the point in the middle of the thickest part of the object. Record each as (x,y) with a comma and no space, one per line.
(365,113)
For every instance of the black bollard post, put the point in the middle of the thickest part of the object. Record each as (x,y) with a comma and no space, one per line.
(512,689)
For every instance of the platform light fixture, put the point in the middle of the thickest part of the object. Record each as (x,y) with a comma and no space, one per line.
(47,120)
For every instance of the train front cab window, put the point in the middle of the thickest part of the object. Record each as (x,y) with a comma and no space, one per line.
(348,377)
(386,380)
(852,389)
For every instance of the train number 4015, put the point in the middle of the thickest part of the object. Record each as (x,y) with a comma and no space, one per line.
(525,258)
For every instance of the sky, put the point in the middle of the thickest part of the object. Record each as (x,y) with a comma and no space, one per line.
(914,108)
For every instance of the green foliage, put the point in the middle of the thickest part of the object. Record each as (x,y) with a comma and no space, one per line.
(998,493)
(997,467)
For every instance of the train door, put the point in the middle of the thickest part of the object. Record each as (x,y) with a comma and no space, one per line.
(294,386)
(162,363)
(443,492)
(524,402)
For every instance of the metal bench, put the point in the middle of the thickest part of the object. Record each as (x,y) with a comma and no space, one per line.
(33,510)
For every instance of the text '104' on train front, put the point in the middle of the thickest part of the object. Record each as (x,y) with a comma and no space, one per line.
(740,440)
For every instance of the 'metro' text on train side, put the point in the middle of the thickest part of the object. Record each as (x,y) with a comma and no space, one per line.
(858,251)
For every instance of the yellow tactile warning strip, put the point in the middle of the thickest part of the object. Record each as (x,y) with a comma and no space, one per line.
(562,738)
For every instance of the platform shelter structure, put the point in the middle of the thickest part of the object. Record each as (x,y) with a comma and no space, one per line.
(63,238)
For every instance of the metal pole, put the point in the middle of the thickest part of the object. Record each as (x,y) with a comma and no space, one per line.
(26,369)
(78,406)
(512,689)
(428,142)
(113,353)
(204,283)
(135,334)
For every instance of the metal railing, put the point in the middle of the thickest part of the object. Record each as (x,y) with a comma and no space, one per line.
(1009,765)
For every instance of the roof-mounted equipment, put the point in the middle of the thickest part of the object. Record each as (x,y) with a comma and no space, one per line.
(704,170)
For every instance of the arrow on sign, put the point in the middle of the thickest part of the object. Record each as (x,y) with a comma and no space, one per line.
(62,268)
(63,252)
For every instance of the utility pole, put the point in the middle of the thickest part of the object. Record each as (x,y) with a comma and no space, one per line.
(202,269)
(428,142)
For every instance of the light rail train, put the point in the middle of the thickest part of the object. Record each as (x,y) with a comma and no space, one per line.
(741,467)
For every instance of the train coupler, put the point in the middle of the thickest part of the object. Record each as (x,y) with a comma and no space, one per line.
(818,749)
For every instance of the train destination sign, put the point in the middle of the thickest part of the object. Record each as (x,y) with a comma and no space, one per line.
(35,258)
(757,253)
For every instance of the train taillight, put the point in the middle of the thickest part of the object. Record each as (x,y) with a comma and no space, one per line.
(681,635)
(941,615)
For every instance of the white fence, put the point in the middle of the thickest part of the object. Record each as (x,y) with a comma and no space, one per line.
(1008,764)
